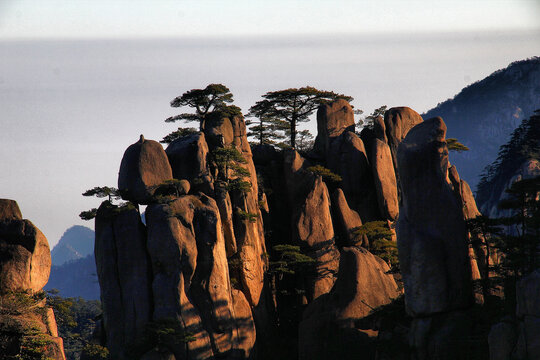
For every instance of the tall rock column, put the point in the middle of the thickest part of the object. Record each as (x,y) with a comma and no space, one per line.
(26,323)
(432,244)
(312,222)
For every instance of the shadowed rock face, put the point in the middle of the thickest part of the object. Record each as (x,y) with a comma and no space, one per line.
(433,247)
(25,264)
(398,122)
(384,178)
(432,235)
(124,275)
(347,220)
(329,322)
(144,165)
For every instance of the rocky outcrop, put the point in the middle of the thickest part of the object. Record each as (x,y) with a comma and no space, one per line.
(332,120)
(248,233)
(143,167)
(27,325)
(124,275)
(347,220)
(25,256)
(385,179)
(329,329)
(432,244)
(312,222)
(195,270)
(528,313)
(398,122)
(188,158)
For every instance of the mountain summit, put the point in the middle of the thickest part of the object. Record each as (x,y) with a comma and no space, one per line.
(484,114)
(76,243)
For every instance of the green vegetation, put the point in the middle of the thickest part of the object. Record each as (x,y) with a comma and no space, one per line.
(181,132)
(205,101)
(380,240)
(230,172)
(327,174)
(247,216)
(105,191)
(162,334)
(76,319)
(268,129)
(524,144)
(290,260)
(455,145)
(368,121)
(291,107)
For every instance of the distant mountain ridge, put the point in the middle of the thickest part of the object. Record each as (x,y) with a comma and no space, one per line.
(75,278)
(484,114)
(77,242)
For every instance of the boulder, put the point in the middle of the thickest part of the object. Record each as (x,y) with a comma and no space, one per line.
(363,284)
(332,120)
(329,327)
(124,274)
(433,249)
(385,179)
(9,210)
(188,158)
(25,258)
(26,323)
(143,167)
(398,122)
(346,221)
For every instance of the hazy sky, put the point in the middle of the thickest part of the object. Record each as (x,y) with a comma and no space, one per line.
(136,18)
(80,80)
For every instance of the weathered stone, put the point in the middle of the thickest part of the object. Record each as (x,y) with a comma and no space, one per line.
(385,179)
(191,276)
(379,129)
(246,333)
(330,321)
(332,120)
(346,220)
(432,235)
(25,258)
(188,159)
(398,122)
(9,210)
(249,234)
(363,284)
(312,222)
(143,167)
(224,204)
(347,157)
(124,274)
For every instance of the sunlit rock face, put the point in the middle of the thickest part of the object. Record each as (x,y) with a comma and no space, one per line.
(174,270)
(143,167)
(25,264)
(329,326)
